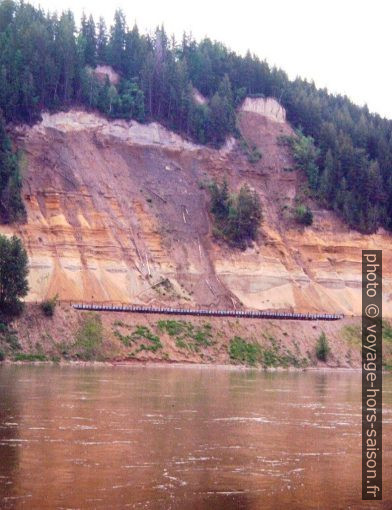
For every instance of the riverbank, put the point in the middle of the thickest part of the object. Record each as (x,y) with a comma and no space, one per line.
(176,364)
(114,338)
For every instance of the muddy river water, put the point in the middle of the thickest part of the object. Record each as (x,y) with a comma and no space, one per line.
(183,438)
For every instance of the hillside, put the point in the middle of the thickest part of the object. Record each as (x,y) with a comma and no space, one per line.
(118,211)
(51,63)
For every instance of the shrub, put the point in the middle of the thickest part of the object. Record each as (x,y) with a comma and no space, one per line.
(172,327)
(124,339)
(89,338)
(2,356)
(254,155)
(303,215)
(237,216)
(322,347)
(244,352)
(271,357)
(187,335)
(203,336)
(49,305)
(142,332)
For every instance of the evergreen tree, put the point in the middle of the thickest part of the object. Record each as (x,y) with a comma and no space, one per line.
(244,217)
(116,44)
(90,88)
(344,150)
(102,41)
(306,157)
(11,205)
(13,275)
(66,57)
(327,181)
(134,52)
(238,216)
(87,32)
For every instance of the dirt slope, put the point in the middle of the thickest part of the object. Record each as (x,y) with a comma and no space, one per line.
(131,338)
(117,212)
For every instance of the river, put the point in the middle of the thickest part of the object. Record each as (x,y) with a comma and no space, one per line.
(183,438)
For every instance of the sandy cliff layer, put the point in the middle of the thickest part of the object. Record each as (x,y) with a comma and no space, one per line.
(267,107)
(117,211)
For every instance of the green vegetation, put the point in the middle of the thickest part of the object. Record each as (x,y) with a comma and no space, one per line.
(13,275)
(173,327)
(9,338)
(124,339)
(49,305)
(141,333)
(144,333)
(11,204)
(153,345)
(270,354)
(249,353)
(22,356)
(2,356)
(47,63)
(303,215)
(387,344)
(89,338)
(322,348)
(306,156)
(237,216)
(353,335)
(9,342)
(386,332)
(275,355)
(187,336)
(345,177)
(253,153)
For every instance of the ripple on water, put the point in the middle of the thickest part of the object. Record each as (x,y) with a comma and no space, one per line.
(217,447)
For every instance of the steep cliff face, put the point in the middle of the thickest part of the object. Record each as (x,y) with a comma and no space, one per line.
(117,212)
(267,107)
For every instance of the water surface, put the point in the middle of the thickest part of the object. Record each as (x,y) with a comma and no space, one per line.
(183,438)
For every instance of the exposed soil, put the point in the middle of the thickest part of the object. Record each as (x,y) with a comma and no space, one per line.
(119,212)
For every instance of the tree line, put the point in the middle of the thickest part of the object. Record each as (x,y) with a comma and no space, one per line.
(47,62)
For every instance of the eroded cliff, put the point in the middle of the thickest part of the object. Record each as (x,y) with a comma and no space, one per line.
(117,211)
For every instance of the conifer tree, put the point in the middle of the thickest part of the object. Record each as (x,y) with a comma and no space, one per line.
(13,275)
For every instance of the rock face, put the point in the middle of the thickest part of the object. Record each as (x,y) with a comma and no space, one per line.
(117,211)
(267,107)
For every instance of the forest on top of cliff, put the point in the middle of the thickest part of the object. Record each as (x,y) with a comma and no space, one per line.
(47,62)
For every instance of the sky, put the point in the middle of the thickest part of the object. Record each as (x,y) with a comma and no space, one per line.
(344,45)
